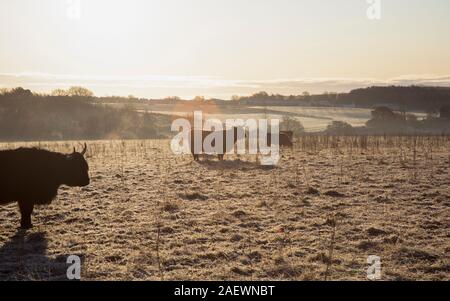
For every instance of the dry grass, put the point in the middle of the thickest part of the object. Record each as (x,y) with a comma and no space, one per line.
(330,203)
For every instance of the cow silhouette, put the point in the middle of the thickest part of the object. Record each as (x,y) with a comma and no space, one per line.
(32,176)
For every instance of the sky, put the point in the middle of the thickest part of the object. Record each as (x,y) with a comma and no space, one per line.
(219,48)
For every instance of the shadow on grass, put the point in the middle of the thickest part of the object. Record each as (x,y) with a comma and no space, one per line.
(24,257)
(234,164)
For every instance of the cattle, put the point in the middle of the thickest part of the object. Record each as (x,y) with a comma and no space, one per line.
(32,176)
(204,134)
(290,134)
(284,140)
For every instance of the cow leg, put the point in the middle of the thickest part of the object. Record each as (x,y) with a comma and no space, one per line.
(195,157)
(26,209)
(221,157)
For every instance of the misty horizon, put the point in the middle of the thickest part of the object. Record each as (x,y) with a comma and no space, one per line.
(188,87)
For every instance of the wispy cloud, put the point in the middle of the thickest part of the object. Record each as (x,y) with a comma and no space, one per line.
(157,85)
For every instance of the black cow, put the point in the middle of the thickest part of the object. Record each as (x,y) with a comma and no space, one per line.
(290,134)
(284,140)
(205,134)
(32,176)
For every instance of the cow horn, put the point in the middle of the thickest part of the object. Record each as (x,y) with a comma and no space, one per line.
(84,149)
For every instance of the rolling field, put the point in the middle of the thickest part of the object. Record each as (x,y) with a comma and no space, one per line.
(329,204)
(314,119)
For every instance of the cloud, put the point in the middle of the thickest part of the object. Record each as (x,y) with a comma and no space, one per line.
(157,85)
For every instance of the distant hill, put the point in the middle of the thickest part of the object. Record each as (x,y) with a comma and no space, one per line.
(412,98)
(400,98)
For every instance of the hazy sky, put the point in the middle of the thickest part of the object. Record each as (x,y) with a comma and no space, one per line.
(217,48)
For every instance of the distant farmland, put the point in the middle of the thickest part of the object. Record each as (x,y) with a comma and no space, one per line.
(314,119)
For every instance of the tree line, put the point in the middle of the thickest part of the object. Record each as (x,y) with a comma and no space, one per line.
(71,115)
(384,120)
(412,98)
